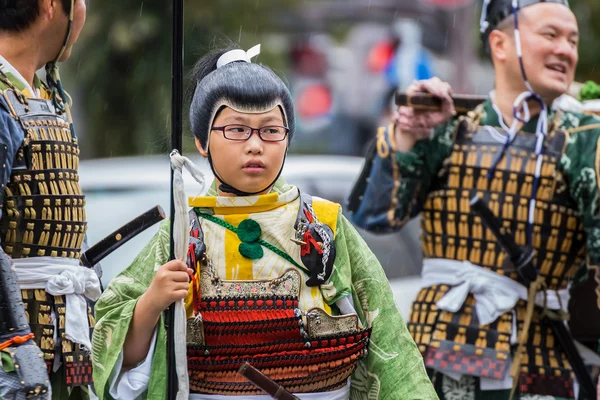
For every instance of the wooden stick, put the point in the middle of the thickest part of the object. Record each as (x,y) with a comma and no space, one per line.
(463,103)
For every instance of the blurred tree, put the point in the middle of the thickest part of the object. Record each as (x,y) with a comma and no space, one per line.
(120,72)
(588,15)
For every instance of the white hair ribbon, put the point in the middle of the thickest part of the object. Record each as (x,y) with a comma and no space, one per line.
(238,55)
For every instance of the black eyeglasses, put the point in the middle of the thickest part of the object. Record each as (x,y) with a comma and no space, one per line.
(241,133)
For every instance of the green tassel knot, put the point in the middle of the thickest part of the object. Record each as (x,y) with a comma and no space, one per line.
(248,231)
(252,251)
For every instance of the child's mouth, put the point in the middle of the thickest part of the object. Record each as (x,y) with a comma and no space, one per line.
(253,167)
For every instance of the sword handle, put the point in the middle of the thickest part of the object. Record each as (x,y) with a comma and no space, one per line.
(463,103)
(118,238)
(265,383)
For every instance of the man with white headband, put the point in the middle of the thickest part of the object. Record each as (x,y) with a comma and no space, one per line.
(537,167)
(42,223)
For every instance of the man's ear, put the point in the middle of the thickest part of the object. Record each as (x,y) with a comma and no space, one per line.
(203,152)
(499,42)
(48,8)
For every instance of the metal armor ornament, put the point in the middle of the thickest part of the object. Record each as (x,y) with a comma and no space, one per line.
(456,340)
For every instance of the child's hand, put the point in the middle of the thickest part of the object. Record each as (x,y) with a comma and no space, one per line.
(170,284)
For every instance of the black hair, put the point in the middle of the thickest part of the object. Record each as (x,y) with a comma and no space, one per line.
(242,85)
(18,15)
(499,10)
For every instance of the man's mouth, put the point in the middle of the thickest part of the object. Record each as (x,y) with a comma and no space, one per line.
(557,67)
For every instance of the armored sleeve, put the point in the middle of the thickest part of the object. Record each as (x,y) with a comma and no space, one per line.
(23,371)
(580,165)
(11,137)
(393,185)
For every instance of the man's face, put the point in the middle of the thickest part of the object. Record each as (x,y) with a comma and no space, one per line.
(549,39)
(79,14)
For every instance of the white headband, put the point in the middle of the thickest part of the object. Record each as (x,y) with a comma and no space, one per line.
(238,55)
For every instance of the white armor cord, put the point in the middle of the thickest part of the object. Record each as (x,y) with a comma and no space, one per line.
(522,114)
(181,231)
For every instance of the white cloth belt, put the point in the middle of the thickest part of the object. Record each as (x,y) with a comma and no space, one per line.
(494,294)
(63,276)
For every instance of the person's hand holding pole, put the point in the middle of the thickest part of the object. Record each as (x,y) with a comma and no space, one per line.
(412,125)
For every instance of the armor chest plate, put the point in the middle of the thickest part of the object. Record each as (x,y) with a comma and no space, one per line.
(44,211)
(259,322)
(451,231)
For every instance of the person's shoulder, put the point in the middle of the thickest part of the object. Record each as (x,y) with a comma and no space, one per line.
(582,131)
(327,211)
(580,122)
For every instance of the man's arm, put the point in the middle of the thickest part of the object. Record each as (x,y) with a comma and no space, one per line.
(402,164)
(581,166)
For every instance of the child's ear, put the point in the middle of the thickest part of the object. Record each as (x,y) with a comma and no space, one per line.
(203,152)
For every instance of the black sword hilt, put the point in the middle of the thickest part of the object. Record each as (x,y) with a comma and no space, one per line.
(121,236)
(520,257)
(265,383)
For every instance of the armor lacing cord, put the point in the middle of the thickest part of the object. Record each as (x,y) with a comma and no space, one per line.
(536,286)
(16,340)
(20,96)
(521,114)
(383,149)
(61,100)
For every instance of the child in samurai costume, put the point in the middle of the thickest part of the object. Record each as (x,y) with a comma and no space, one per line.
(279,279)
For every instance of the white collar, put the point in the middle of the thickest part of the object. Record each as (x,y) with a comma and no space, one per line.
(9,68)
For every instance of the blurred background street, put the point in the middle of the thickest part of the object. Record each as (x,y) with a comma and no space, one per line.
(343,60)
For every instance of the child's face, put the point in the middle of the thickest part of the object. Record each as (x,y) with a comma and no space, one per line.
(248,165)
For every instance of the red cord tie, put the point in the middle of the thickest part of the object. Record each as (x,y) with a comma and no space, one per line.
(16,340)
(308,239)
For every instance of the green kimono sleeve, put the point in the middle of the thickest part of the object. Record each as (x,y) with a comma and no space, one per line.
(393,368)
(114,311)
(580,164)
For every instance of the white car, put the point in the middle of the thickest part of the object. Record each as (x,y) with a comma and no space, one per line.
(119,189)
